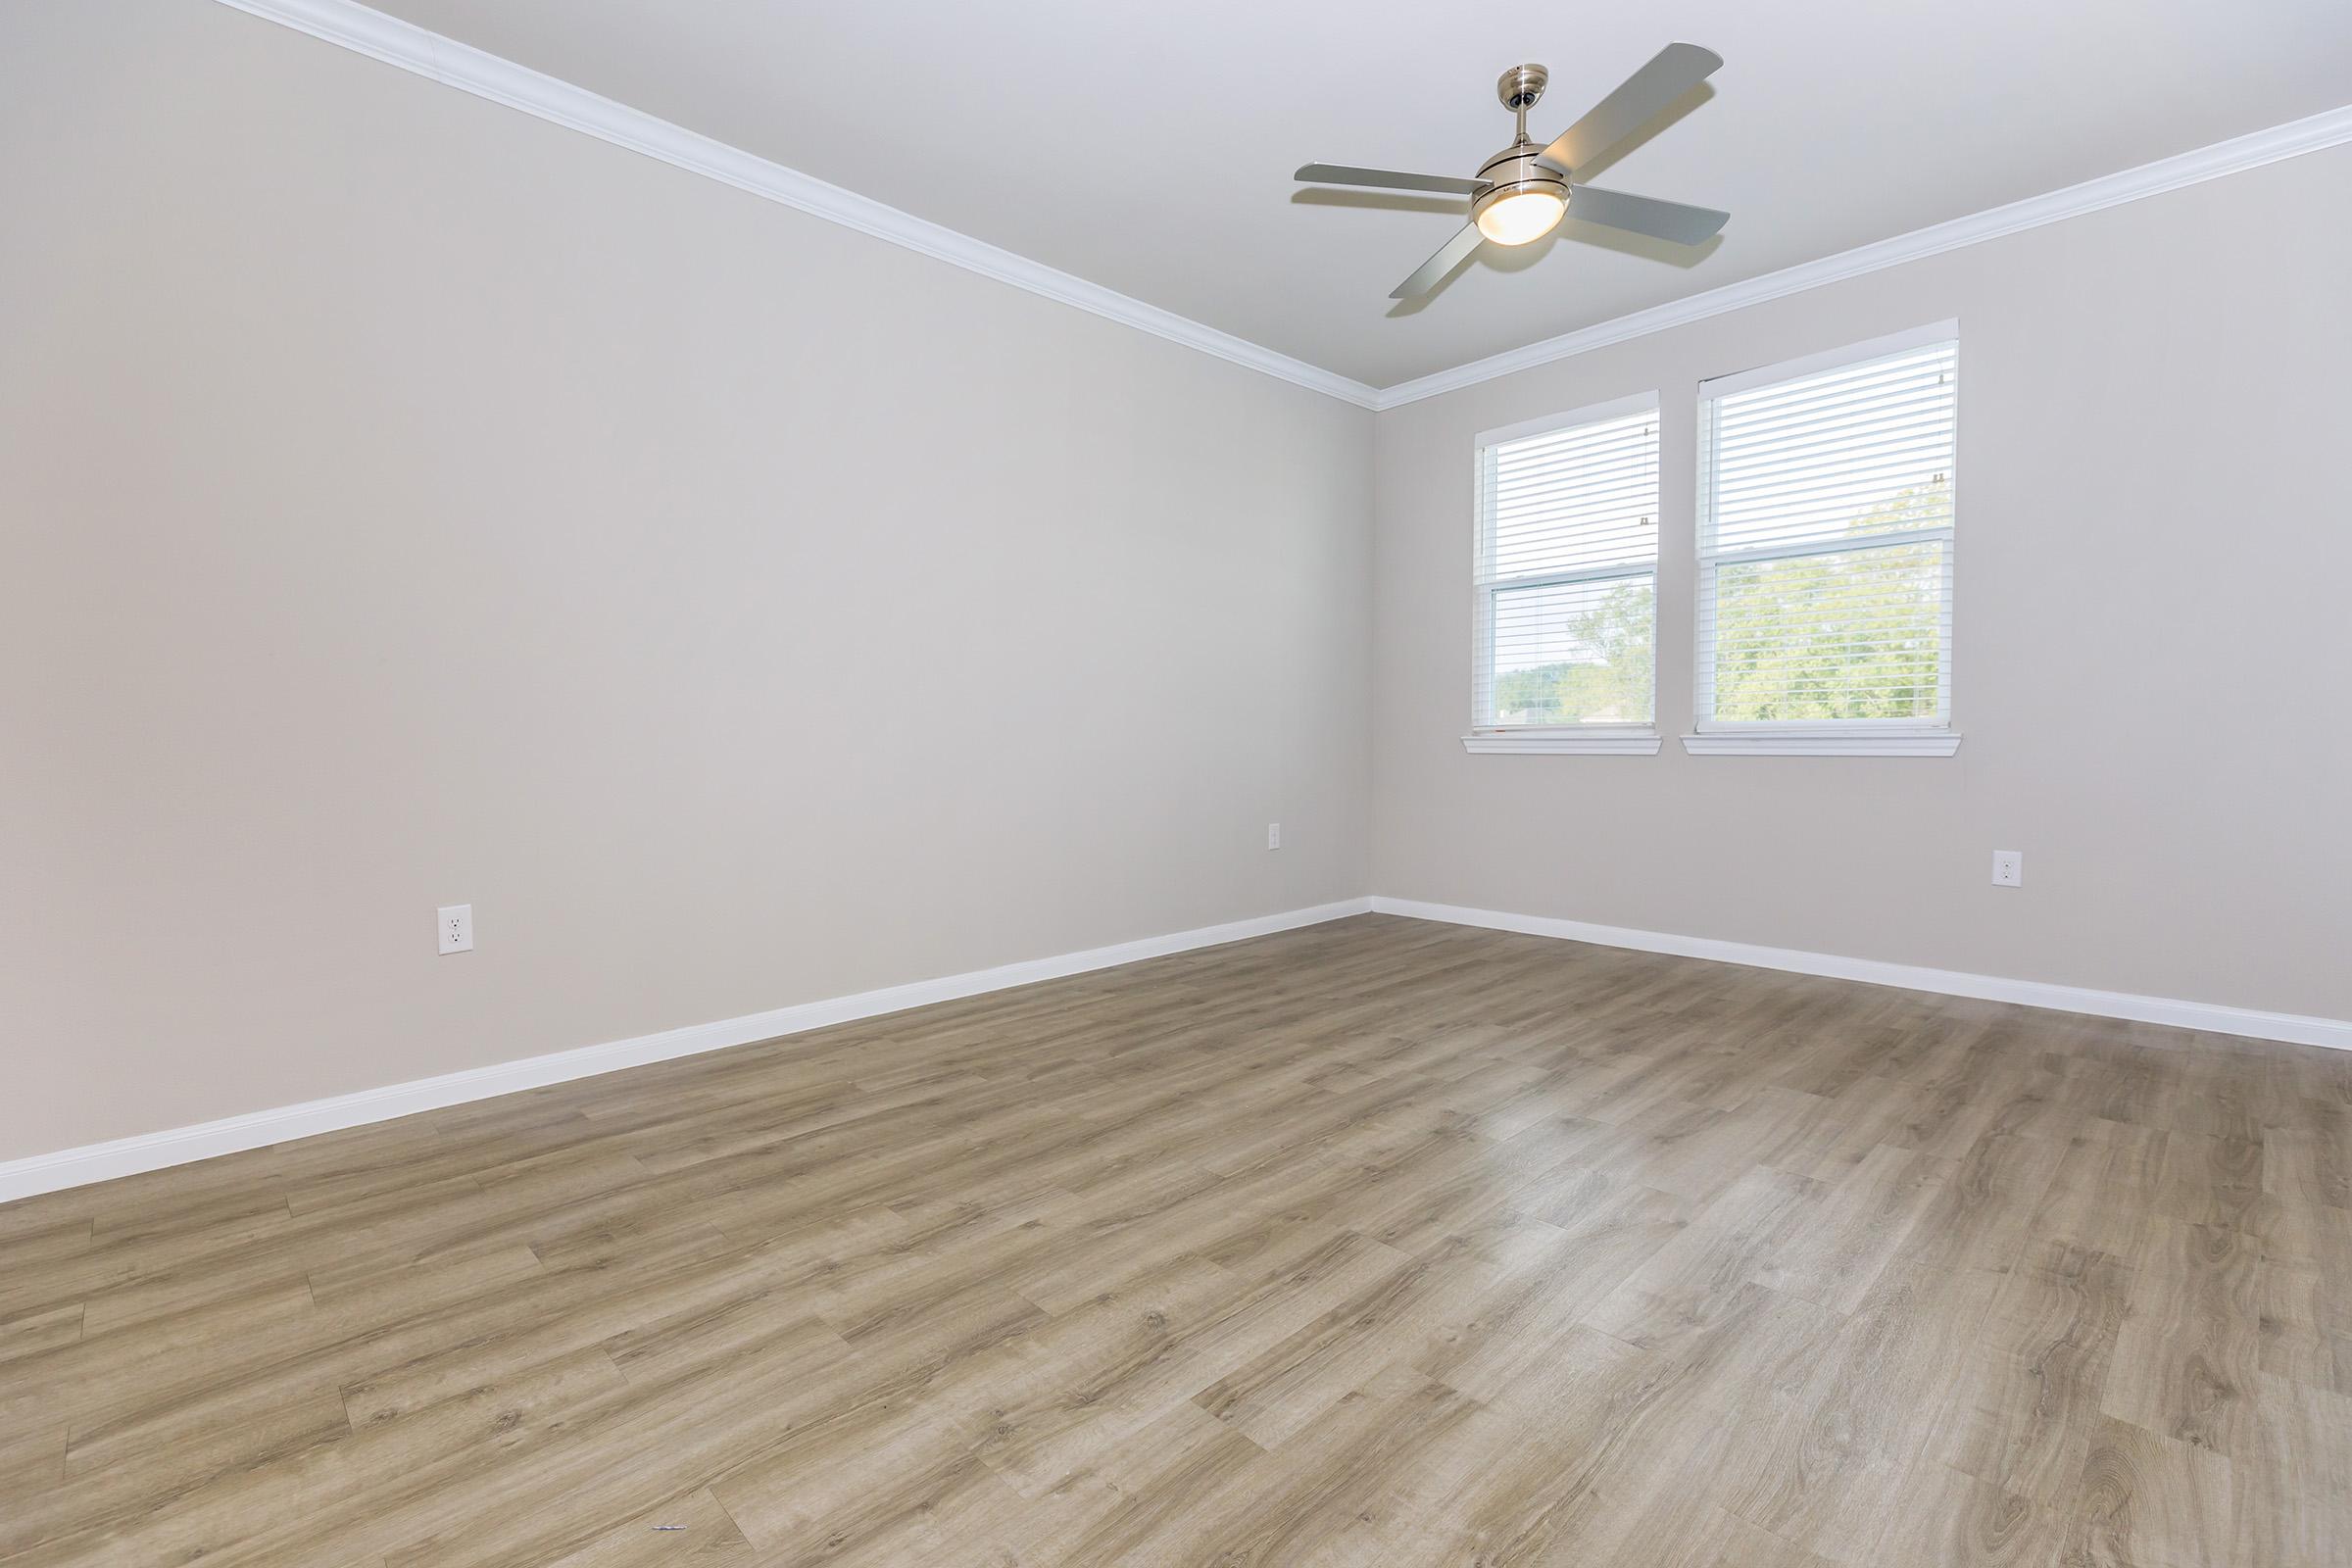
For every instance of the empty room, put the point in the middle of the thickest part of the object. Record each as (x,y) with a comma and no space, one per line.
(1311,785)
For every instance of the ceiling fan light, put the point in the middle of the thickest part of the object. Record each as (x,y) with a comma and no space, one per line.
(1519,217)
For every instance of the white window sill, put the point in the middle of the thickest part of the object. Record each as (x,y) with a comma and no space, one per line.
(1578,741)
(1824,743)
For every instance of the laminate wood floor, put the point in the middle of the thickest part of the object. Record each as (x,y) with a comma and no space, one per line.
(1376,1243)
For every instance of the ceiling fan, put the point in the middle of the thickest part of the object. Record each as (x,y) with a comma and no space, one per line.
(1521,192)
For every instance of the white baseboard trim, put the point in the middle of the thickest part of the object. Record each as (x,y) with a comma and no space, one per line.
(2252,1022)
(177,1146)
(127,1156)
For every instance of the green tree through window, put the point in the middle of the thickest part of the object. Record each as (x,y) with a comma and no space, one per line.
(1607,683)
(1839,635)
(1868,643)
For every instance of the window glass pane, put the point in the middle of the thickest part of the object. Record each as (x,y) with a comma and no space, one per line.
(1567,545)
(1802,617)
(1574,652)
(1573,499)
(1863,449)
(1840,635)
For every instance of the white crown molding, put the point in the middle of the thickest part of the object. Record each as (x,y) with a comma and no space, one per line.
(127,1156)
(430,55)
(357,27)
(2332,128)
(2213,1018)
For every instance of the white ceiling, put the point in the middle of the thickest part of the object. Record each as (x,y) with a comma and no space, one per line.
(1148,148)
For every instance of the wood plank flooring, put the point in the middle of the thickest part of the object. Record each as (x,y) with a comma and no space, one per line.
(1376,1243)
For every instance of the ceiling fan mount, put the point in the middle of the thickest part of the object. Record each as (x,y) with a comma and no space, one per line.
(1520,86)
(1521,192)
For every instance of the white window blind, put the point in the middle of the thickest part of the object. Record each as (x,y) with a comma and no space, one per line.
(1566,570)
(1825,514)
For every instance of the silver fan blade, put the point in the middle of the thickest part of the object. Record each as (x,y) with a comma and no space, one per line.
(1671,73)
(1646,215)
(1385,178)
(1449,255)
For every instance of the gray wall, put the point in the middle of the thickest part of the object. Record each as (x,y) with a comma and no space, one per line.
(409,502)
(2152,645)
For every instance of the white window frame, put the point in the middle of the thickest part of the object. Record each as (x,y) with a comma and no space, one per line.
(1846,737)
(1553,740)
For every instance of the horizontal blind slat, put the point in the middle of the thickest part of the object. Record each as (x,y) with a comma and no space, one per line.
(1739,417)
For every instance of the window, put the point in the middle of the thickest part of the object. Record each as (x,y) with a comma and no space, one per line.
(1826,513)
(1566,583)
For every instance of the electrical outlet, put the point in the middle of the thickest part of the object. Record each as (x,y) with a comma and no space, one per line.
(1273,835)
(457,927)
(2008,868)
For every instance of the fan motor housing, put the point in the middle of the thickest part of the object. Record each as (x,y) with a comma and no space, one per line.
(1515,170)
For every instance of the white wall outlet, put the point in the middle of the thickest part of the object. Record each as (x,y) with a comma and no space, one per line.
(2008,868)
(1273,835)
(457,927)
